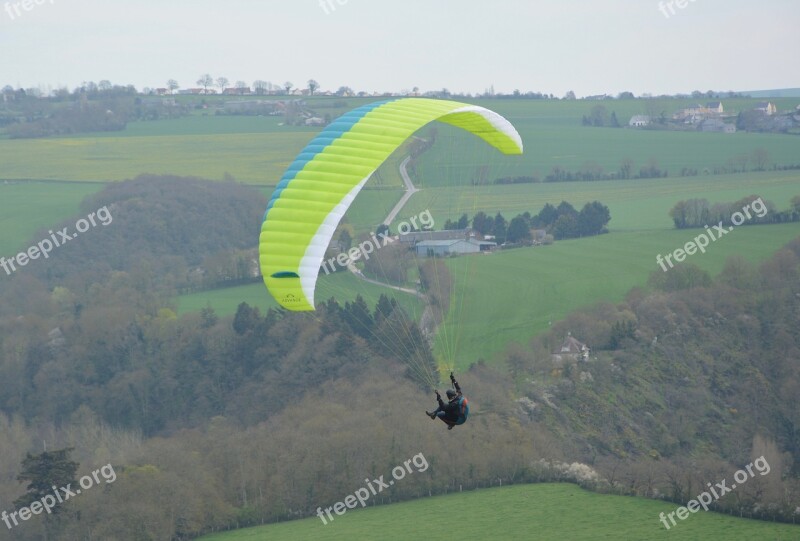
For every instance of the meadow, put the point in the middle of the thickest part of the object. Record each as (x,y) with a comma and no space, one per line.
(508,296)
(341,286)
(542,511)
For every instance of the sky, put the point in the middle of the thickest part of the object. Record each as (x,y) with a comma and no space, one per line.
(549,46)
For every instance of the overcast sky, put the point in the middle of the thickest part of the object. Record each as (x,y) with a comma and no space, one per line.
(552,46)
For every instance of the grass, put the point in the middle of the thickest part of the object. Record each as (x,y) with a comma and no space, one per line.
(26,207)
(635,205)
(341,285)
(543,511)
(253,158)
(510,296)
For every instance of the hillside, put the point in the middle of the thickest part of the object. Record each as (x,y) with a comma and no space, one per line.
(546,512)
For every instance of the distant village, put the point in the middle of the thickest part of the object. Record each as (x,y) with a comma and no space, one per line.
(712,117)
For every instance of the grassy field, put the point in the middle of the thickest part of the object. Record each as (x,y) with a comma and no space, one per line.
(26,207)
(562,277)
(510,296)
(256,150)
(635,205)
(342,286)
(544,512)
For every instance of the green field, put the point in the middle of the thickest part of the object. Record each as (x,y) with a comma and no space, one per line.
(510,296)
(500,298)
(26,207)
(341,285)
(544,512)
(256,150)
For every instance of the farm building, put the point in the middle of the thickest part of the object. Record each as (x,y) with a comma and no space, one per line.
(573,349)
(639,121)
(766,107)
(717,125)
(414,237)
(431,248)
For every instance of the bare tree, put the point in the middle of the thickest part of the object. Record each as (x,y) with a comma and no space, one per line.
(205,81)
(260,87)
(222,82)
(288,86)
(173,85)
(241,86)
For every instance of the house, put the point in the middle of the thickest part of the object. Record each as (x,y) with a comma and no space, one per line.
(231,91)
(691,115)
(766,107)
(192,91)
(315,121)
(412,238)
(715,107)
(573,349)
(639,121)
(431,248)
(717,125)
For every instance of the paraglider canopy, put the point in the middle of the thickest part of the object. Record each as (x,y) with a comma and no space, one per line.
(324,179)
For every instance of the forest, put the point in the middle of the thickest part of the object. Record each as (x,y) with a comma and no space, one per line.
(213,422)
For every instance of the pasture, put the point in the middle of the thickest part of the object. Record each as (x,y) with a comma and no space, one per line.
(541,511)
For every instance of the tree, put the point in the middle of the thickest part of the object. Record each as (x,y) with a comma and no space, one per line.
(260,87)
(482,223)
(463,222)
(598,116)
(625,96)
(593,218)
(344,91)
(569,95)
(205,81)
(312,86)
(43,472)
(172,85)
(518,230)
(760,157)
(222,83)
(246,318)
(566,227)
(499,228)
(546,217)
(241,86)
(288,86)
(104,85)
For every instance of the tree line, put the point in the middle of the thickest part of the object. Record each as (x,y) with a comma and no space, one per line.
(750,210)
(561,222)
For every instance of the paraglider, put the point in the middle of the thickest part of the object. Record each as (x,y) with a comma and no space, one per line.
(456,411)
(324,179)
